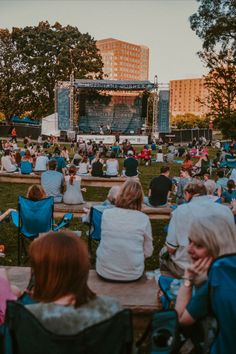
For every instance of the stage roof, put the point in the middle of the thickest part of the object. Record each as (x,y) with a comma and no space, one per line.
(125,85)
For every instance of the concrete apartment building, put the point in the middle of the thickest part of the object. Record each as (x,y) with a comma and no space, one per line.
(123,60)
(184,94)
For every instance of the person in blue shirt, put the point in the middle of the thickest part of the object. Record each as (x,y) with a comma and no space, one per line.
(229,194)
(209,238)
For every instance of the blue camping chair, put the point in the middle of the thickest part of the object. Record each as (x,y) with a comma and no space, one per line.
(33,218)
(222,290)
(95,223)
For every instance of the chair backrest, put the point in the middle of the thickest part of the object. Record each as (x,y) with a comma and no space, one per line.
(96,220)
(26,167)
(35,216)
(29,336)
(222,290)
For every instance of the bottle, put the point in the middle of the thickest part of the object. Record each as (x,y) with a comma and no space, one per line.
(174,287)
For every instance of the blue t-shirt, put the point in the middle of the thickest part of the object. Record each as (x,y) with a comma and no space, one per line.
(229,196)
(198,307)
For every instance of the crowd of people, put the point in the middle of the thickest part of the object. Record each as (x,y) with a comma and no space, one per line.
(201,228)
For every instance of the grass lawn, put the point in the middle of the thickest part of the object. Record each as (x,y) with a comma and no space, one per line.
(10,192)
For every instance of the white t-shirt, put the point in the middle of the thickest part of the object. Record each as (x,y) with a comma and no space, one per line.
(126,239)
(41,163)
(7,164)
(181,221)
(83,168)
(112,167)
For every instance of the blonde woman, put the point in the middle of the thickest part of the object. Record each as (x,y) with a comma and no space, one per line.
(209,238)
(126,236)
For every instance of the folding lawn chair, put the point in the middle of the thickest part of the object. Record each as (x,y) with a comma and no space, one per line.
(95,224)
(24,334)
(33,218)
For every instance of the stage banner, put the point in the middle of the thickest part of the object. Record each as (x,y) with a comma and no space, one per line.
(63,108)
(163,111)
(110,139)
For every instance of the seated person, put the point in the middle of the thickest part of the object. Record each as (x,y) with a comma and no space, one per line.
(130,165)
(126,236)
(112,166)
(72,186)
(230,193)
(5,214)
(8,162)
(159,189)
(84,166)
(77,158)
(205,245)
(65,304)
(211,190)
(202,166)
(185,178)
(145,155)
(53,182)
(221,182)
(174,257)
(97,166)
(160,156)
(41,162)
(61,162)
(187,162)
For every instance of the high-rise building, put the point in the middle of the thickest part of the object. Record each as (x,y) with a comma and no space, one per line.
(123,60)
(184,96)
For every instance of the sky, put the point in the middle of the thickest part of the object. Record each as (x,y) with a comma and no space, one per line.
(162,25)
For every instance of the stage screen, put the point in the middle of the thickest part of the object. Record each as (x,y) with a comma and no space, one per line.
(122,112)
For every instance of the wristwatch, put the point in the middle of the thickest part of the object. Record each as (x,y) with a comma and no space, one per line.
(187,283)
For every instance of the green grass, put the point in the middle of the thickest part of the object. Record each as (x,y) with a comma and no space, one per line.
(10,192)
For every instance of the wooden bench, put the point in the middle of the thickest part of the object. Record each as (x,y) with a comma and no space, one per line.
(154,213)
(143,303)
(87,181)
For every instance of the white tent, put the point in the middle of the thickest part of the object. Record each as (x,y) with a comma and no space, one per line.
(50,125)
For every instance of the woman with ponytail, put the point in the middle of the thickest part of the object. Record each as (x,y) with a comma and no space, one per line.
(73,193)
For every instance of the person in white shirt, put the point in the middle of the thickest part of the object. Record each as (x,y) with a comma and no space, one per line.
(112,166)
(126,236)
(8,162)
(174,256)
(84,167)
(41,162)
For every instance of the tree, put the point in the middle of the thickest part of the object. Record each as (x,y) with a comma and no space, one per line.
(215,24)
(221,84)
(44,55)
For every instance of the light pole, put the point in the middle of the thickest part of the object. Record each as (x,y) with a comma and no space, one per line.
(72,87)
(155,109)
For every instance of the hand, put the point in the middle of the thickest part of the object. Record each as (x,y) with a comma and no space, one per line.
(84,189)
(233,204)
(199,267)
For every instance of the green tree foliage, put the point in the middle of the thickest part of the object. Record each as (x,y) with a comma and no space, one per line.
(215,24)
(220,84)
(35,58)
(189,120)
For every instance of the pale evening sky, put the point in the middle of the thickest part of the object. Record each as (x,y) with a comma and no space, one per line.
(162,25)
